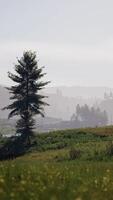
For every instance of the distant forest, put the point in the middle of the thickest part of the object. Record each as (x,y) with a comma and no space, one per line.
(87,116)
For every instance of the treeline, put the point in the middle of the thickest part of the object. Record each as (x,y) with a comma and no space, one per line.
(87,116)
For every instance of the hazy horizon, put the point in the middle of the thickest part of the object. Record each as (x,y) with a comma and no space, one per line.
(74,40)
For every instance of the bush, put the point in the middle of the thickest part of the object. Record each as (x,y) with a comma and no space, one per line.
(109,149)
(74,154)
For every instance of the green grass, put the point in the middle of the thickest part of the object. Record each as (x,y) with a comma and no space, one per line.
(56,181)
(46,171)
(67,138)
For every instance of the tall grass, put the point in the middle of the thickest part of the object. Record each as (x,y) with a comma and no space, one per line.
(56,181)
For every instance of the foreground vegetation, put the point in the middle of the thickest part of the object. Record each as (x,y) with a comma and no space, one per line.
(70,165)
(67,180)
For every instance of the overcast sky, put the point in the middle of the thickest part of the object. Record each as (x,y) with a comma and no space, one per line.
(73,39)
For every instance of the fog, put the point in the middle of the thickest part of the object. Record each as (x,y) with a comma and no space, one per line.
(73,39)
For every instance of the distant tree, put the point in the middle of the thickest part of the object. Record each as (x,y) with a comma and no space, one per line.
(26,99)
(104,118)
(105,96)
(73,117)
(111,95)
(85,112)
(89,116)
(78,111)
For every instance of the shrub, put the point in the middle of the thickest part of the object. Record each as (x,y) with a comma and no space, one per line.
(74,154)
(109,149)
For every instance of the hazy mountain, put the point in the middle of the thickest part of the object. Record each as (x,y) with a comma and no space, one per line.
(80,91)
(62,100)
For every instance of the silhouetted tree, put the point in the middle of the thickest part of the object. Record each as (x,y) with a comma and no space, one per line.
(27,101)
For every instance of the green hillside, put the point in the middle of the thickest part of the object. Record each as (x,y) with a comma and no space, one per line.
(70,164)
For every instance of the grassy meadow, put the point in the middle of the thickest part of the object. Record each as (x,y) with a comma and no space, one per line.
(62,165)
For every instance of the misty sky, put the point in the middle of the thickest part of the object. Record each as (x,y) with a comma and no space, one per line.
(73,38)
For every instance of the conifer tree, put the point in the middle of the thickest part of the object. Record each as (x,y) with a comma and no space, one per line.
(26,99)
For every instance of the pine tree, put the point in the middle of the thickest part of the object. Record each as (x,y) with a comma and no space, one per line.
(26,99)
